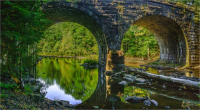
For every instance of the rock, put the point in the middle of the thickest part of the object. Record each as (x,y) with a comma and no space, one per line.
(30,80)
(114,98)
(141,80)
(147,98)
(130,69)
(159,67)
(70,106)
(167,107)
(187,108)
(64,103)
(141,69)
(154,102)
(56,102)
(35,88)
(134,99)
(183,77)
(117,74)
(140,83)
(129,76)
(95,106)
(128,79)
(147,102)
(122,83)
(193,78)
(36,97)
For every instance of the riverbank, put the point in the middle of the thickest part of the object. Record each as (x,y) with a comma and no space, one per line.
(78,57)
(30,98)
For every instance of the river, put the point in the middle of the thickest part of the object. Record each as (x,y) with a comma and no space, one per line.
(88,88)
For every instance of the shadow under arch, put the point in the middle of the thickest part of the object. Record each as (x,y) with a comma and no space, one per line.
(68,12)
(171,39)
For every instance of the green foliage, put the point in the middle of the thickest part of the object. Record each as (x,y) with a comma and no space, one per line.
(193,5)
(8,86)
(4,96)
(90,62)
(22,25)
(27,89)
(137,40)
(67,39)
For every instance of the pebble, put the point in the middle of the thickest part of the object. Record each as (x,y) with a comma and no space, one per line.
(167,107)
(187,108)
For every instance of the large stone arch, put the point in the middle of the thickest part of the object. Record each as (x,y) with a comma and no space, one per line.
(71,12)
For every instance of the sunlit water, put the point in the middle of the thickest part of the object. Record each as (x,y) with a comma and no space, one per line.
(68,81)
(166,72)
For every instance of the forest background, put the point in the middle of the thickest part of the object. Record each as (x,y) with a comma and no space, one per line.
(71,39)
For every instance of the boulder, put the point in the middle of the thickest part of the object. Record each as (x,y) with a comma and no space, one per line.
(154,102)
(147,102)
(122,83)
(141,80)
(129,76)
(134,99)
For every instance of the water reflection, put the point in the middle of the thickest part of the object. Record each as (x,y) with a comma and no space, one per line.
(67,80)
(167,72)
(110,95)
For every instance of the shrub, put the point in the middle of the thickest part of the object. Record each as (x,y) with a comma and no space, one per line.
(90,62)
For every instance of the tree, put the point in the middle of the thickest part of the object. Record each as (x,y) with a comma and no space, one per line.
(139,42)
(67,39)
(22,26)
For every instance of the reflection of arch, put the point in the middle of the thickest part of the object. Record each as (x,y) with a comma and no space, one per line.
(69,12)
(172,41)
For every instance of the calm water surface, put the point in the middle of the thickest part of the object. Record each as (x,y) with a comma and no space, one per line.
(67,80)
(88,88)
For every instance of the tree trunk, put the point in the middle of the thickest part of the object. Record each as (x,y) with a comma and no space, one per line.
(148,50)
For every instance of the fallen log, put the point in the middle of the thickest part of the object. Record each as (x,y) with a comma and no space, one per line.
(166,78)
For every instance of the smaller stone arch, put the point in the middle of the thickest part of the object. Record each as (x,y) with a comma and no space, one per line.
(171,39)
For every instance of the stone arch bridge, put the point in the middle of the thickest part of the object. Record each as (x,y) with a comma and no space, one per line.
(108,20)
